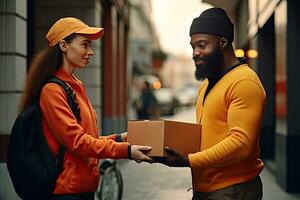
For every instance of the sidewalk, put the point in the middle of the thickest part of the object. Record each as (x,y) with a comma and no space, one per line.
(154,181)
(158,182)
(272,191)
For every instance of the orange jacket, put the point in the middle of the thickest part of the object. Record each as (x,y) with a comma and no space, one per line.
(83,145)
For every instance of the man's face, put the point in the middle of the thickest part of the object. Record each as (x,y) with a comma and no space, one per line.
(207,55)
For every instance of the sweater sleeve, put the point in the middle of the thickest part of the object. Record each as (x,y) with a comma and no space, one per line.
(62,123)
(246,103)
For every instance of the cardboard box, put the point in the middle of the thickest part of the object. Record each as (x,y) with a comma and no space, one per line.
(180,136)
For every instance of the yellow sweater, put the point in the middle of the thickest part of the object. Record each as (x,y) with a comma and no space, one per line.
(230,117)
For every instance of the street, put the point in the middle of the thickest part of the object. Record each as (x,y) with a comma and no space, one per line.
(157,182)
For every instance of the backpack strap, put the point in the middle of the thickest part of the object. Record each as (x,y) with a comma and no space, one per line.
(71,96)
(71,99)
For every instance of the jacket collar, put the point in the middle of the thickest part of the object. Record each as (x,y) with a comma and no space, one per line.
(68,78)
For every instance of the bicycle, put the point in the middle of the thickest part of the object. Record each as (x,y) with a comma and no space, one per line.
(111,182)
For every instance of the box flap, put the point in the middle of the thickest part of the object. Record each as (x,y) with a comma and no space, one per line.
(147,133)
(183,137)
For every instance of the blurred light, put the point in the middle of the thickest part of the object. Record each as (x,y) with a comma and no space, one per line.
(156,85)
(251,53)
(239,53)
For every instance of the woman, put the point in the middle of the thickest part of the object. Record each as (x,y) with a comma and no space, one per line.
(70,48)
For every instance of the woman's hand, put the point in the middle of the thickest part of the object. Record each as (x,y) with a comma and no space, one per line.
(137,153)
(124,136)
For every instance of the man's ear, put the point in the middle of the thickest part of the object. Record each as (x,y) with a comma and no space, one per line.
(223,43)
(63,45)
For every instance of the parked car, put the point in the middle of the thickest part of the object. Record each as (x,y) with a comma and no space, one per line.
(187,96)
(167,101)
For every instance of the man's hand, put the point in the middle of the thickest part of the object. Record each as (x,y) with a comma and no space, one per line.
(137,153)
(175,159)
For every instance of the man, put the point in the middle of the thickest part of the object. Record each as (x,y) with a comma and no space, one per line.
(229,108)
(146,104)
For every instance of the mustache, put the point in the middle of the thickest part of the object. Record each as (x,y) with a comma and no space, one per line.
(198,58)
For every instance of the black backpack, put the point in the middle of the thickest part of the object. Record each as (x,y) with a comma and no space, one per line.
(32,166)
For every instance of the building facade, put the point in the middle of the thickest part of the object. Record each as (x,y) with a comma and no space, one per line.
(142,42)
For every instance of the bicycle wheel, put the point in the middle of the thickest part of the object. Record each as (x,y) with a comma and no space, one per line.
(111,186)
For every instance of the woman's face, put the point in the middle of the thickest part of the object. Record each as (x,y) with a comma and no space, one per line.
(78,52)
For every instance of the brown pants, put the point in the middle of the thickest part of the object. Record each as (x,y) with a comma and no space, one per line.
(250,190)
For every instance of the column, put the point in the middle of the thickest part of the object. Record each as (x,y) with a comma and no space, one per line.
(13,52)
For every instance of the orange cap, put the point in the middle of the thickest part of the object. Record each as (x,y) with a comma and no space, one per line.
(69,25)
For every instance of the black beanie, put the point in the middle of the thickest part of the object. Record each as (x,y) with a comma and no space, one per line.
(213,21)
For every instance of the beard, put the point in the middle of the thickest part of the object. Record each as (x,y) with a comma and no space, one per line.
(211,65)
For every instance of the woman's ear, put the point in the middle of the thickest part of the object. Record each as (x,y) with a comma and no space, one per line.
(63,45)
(223,43)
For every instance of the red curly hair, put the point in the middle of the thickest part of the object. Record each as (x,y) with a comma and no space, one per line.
(43,66)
